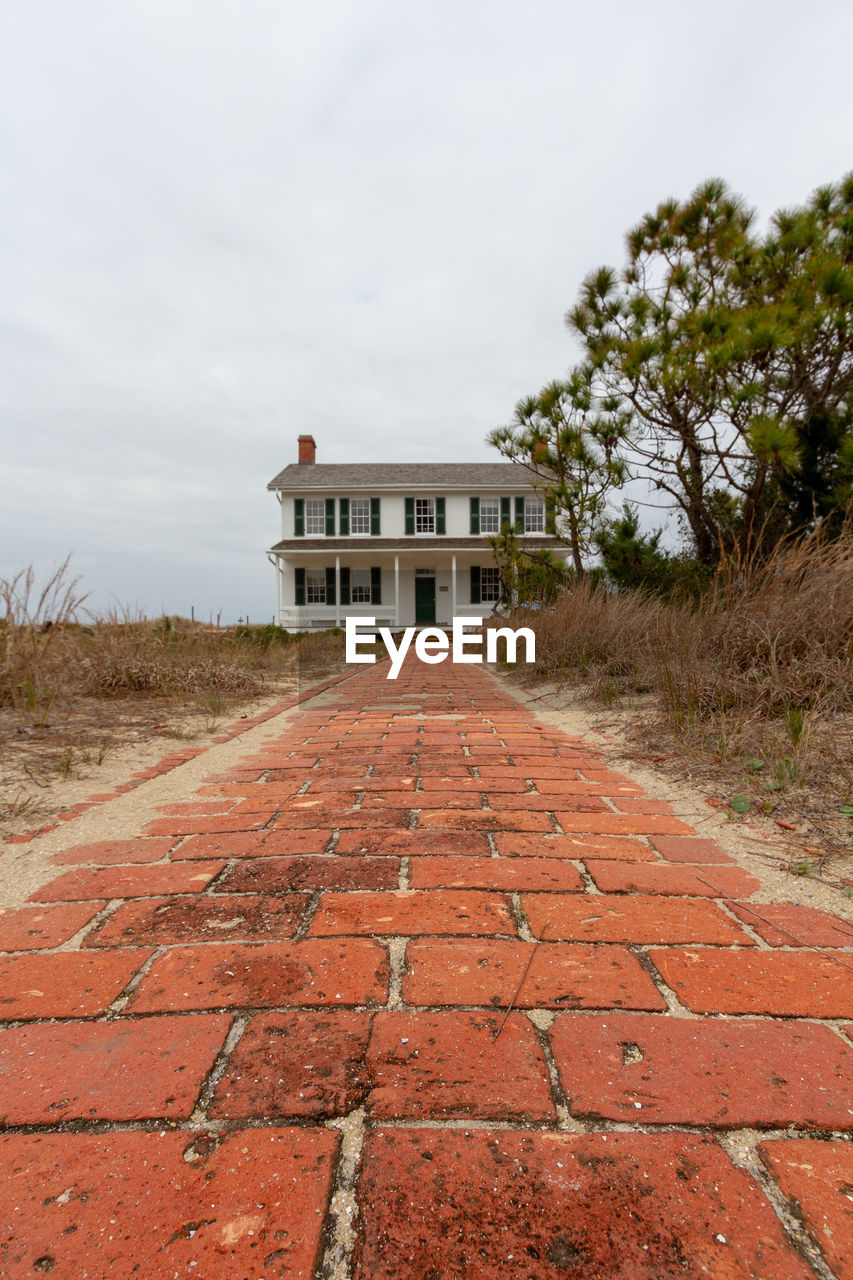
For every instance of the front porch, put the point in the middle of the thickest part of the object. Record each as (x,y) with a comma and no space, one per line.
(417,587)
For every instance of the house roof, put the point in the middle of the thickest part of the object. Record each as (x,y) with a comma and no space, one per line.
(399,475)
(433,543)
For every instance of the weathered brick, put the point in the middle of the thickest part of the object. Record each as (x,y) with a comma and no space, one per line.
(618,824)
(689,848)
(276,875)
(129,882)
(508,874)
(641,918)
(723,1073)
(419,800)
(435,1065)
(307,840)
(351,971)
(487,971)
(33,928)
(122,1204)
(227,845)
(64,984)
(667,878)
(494,785)
(787,925)
(206,826)
(412,911)
(800,984)
(332,816)
(122,1070)
(817,1178)
(545,804)
(297,1064)
(161,922)
(482,1205)
(424,843)
(103,853)
(554,846)
(484,820)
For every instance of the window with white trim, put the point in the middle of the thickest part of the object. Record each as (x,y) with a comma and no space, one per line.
(490,584)
(534,515)
(424,515)
(315,516)
(315,585)
(359,515)
(490,515)
(359,586)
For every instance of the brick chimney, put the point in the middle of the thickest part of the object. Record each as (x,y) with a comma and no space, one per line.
(307,449)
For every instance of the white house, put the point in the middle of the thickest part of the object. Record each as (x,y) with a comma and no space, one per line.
(405,543)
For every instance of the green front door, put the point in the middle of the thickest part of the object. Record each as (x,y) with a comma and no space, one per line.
(424,601)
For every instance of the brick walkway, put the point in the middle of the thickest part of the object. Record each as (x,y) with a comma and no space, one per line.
(280,1045)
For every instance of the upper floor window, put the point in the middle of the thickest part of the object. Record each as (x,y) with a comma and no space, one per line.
(424,515)
(534,515)
(490,515)
(359,516)
(315,516)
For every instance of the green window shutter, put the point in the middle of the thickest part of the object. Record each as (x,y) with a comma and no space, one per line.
(519,515)
(330,585)
(475,584)
(440,521)
(550,516)
(344,580)
(330,517)
(410,516)
(374,516)
(506,517)
(299,517)
(343,519)
(299,577)
(475,515)
(376,585)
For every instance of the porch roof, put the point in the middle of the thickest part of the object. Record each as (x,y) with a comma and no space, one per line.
(363,545)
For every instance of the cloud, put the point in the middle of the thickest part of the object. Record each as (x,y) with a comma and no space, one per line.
(231,223)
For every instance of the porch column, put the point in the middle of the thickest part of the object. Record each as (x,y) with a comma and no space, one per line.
(277,566)
(397,591)
(453,585)
(337,591)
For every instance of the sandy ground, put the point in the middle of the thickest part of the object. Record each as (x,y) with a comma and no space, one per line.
(44,772)
(26,867)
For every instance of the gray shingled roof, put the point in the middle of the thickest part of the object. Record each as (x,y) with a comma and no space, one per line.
(377,475)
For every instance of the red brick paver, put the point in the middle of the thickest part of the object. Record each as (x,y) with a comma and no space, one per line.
(710,1072)
(479,1205)
(123,1070)
(817,1178)
(121,1204)
(413,912)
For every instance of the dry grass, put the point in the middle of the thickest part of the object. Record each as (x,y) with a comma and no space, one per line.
(756,675)
(82,697)
(49,657)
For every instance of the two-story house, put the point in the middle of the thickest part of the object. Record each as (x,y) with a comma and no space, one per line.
(405,543)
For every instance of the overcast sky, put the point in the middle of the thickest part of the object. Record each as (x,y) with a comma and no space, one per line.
(224,224)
